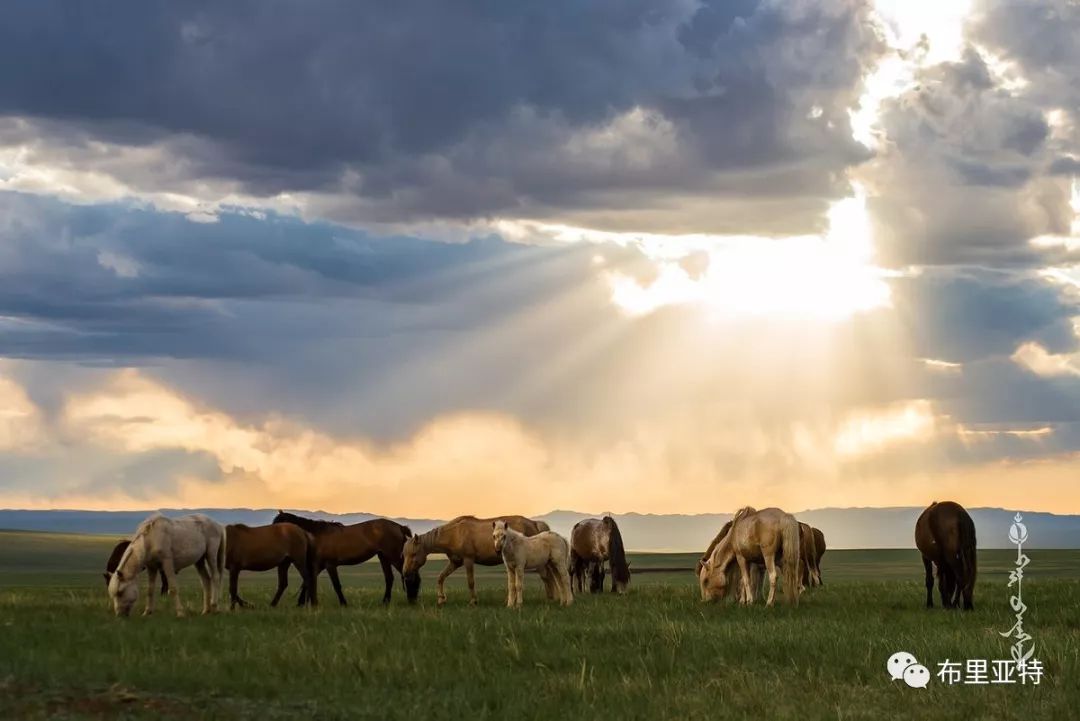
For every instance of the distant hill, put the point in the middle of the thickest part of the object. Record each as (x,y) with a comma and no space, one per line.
(843,527)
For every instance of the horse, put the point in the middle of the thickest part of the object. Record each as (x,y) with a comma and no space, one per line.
(733,576)
(544,551)
(168,545)
(808,573)
(763,536)
(593,542)
(114,561)
(467,541)
(945,535)
(261,548)
(819,546)
(339,545)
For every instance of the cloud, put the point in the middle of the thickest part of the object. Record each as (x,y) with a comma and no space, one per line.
(403,113)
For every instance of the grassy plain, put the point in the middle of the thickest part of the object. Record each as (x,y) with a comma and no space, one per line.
(656,653)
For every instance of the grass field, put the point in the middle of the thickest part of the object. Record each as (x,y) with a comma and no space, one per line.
(656,653)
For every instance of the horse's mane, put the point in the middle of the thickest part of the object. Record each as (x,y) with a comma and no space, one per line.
(311,525)
(620,569)
(715,541)
(742,513)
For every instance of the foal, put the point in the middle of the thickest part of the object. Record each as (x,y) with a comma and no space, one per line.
(546,551)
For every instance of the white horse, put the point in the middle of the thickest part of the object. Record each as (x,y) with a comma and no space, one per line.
(167,545)
(545,551)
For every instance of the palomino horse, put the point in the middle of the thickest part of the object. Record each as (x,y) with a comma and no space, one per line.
(167,545)
(261,548)
(819,546)
(114,561)
(340,545)
(466,541)
(593,542)
(945,535)
(755,536)
(545,551)
(734,578)
(808,571)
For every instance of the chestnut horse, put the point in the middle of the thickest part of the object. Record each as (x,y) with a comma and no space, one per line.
(466,541)
(339,545)
(114,561)
(593,542)
(808,571)
(261,548)
(945,535)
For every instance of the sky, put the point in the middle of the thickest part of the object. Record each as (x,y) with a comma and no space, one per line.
(428,258)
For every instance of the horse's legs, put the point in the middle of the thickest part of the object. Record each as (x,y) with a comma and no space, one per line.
(282,581)
(946,584)
(332,572)
(550,589)
(151,573)
(174,589)
(929,566)
(509,587)
(561,575)
(471,577)
(519,584)
(207,585)
(770,568)
(388,576)
(440,594)
(234,589)
(744,578)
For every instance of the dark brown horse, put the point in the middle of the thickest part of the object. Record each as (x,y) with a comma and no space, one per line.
(809,575)
(339,545)
(593,542)
(945,535)
(114,561)
(262,548)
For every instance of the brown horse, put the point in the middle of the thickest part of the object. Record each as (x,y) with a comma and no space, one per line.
(808,573)
(114,561)
(945,535)
(339,545)
(261,548)
(467,541)
(819,546)
(593,542)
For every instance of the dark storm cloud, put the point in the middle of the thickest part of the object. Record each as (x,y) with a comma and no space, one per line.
(423,109)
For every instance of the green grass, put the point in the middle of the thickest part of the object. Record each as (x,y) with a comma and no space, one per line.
(655,653)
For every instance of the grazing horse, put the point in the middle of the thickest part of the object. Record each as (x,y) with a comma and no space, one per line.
(545,551)
(261,548)
(755,536)
(593,542)
(114,561)
(945,535)
(339,545)
(808,572)
(733,577)
(467,541)
(167,545)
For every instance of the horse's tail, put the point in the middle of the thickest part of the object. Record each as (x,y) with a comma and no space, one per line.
(967,556)
(620,569)
(790,542)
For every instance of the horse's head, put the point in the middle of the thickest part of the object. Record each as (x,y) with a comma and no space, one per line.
(413,557)
(712,581)
(498,534)
(619,582)
(123,592)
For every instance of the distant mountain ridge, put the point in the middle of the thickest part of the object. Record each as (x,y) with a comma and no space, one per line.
(843,527)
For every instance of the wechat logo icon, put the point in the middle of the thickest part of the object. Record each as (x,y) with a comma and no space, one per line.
(903,666)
